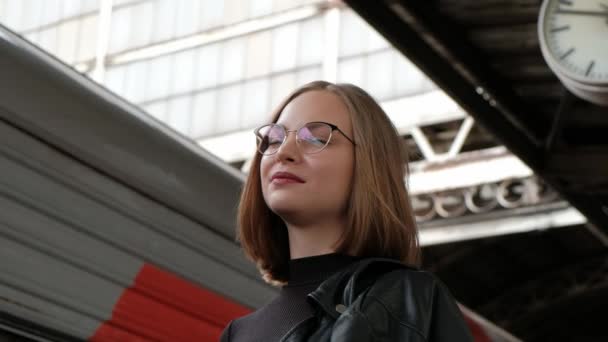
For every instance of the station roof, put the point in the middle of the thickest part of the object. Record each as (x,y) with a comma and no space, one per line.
(486,56)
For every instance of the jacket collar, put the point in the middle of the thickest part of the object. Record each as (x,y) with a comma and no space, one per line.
(344,286)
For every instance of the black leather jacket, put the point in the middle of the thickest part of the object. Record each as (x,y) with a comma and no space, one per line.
(379,300)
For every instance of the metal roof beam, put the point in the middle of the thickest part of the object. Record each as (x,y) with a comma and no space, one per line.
(441,49)
(398,21)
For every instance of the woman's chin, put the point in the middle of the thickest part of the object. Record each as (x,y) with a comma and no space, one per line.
(284,207)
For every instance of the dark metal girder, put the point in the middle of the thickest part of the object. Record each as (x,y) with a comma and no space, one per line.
(584,168)
(565,106)
(463,86)
(522,309)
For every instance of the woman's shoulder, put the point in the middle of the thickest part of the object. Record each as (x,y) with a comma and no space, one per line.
(247,319)
(236,325)
(385,274)
(226,335)
(415,277)
(413,285)
(417,298)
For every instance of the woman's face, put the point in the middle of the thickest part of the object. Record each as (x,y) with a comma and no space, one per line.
(326,176)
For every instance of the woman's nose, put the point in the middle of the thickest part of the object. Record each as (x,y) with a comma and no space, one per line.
(289,148)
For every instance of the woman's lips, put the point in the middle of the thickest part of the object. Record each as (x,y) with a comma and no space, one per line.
(285,178)
(280,180)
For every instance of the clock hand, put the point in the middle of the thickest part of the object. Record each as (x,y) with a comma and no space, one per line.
(588,13)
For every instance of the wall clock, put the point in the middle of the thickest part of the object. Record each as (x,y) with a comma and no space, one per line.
(573,36)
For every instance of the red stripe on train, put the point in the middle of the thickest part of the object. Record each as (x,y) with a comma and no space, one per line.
(161,306)
(478,332)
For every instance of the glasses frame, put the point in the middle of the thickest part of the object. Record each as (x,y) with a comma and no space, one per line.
(287,131)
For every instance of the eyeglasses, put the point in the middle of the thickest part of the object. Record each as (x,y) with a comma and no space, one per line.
(313,137)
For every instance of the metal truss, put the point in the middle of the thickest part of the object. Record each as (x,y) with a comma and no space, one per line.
(506,194)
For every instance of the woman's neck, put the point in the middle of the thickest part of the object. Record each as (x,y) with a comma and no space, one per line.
(315,269)
(312,240)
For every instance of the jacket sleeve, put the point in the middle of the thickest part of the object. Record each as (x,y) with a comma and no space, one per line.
(447,322)
(414,306)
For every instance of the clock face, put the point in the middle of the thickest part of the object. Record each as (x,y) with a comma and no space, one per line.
(575,35)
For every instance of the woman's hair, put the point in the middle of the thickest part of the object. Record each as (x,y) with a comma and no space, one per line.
(380,218)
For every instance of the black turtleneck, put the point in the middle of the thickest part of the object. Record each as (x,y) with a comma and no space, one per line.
(275,319)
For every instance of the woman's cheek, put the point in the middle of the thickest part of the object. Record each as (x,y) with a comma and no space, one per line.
(264,167)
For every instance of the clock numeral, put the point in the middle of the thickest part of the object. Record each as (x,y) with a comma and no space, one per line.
(568,53)
(591,64)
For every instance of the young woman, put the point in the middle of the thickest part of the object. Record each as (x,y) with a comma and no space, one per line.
(325,215)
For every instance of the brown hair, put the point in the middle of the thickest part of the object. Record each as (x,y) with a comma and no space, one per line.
(380,217)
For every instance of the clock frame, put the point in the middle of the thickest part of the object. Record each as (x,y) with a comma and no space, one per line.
(588,88)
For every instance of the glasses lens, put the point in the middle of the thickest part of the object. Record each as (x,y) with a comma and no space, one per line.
(270,138)
(314,137)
